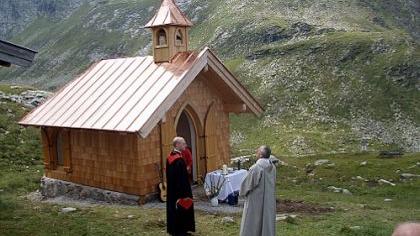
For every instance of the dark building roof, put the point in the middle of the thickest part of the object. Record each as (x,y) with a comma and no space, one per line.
(14,54)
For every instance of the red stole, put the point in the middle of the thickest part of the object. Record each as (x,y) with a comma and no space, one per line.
(175,155)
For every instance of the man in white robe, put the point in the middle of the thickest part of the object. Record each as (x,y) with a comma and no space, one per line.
(259,190)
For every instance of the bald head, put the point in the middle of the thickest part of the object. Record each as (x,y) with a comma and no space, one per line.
(263,152)
(407,229)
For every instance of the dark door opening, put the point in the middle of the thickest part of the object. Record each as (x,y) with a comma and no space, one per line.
(186,129)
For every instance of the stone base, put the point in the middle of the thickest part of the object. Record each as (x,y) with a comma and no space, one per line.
(51,188)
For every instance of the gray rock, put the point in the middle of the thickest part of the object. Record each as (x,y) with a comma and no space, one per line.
(331,165)
(228,220)
(383,181)
(346,192)
(339,190)
(321,162)
(68,209)
(412,167)
(29,98)
(282,217)
(361,178)
(335,189)
(51,188)
(409,176)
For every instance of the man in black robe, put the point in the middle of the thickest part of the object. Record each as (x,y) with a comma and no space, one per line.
(179,205)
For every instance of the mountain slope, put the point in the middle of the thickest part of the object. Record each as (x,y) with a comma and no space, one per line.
(329,73)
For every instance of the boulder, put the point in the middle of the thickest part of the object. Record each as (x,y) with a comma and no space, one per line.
(330,165)
(51,188)
(346,192)
(335,189)
(228,220)
(321,162)
(282,217)
(29,98)
(339,190)
(356,227)
(361,178)
(68,209)
(383,181)
(409,176)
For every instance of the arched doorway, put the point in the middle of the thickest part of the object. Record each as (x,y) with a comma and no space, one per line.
(186,129)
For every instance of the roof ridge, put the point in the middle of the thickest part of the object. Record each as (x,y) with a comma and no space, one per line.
(130,57)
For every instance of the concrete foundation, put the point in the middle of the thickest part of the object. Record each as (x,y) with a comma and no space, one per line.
(51,188)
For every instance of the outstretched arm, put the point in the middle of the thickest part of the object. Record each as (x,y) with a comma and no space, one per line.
(250,182)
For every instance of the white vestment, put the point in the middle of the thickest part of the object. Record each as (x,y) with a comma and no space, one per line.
(259,190)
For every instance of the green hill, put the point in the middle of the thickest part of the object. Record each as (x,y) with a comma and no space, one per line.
(329,73)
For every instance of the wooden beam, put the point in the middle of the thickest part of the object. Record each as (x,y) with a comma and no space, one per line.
(17,51)
(235,108)
(14,60)
(15,54)
(4,63)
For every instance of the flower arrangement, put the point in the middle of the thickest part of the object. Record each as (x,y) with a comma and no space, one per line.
(213,189)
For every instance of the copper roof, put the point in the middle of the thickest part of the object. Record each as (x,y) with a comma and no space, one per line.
(128,94)
(169,14)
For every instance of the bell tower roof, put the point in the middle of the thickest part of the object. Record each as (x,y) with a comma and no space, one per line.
(169,14)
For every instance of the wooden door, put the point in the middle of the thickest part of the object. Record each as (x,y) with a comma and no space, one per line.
(167,135)
(211,139)
(66,150)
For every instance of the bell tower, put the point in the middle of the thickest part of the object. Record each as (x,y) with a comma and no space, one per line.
(169,28)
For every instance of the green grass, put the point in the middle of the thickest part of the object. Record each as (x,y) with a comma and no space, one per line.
(10,89)
(365,208)
(21,169)
(353,80)
(17,145)
(377,217)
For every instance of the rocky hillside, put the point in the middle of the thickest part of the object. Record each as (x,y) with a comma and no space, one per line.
(18,145)
(17,15)
(330,73)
